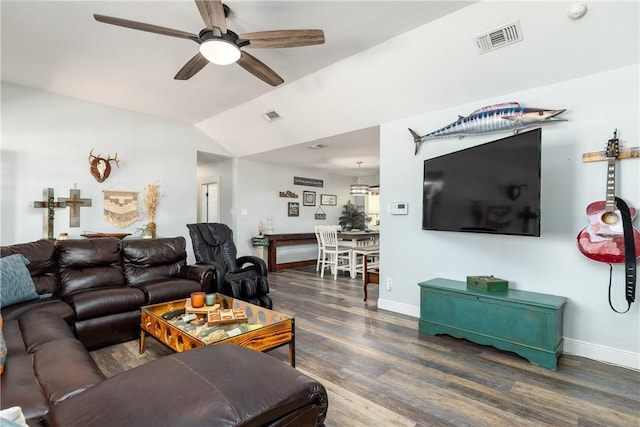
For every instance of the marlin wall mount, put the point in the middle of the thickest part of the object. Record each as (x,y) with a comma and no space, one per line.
(508,116)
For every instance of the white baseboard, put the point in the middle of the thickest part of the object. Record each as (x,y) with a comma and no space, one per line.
(398,307)
(600,353)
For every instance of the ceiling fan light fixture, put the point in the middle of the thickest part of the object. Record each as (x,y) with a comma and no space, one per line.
(220,51)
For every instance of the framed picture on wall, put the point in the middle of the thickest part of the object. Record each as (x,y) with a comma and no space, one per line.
(309,198)
(293,209)
(328,199)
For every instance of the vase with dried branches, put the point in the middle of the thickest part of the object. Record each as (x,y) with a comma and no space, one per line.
(151,198)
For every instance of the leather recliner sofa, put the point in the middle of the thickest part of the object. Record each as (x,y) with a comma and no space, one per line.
(99,285)
(90,296)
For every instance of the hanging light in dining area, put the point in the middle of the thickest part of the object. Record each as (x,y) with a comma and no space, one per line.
(359,188)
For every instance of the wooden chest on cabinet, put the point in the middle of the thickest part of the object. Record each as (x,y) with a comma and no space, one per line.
(526,323)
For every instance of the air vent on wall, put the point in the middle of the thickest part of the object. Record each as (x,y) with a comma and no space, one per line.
(499,37)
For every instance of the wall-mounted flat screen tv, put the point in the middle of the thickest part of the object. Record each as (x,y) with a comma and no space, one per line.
(490,188)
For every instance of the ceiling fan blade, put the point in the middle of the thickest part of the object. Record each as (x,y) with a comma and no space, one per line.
(145,27)
(189,69)
(259,69)
(284,38)
(212,12)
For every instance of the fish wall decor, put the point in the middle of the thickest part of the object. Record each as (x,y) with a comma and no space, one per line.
(508,116)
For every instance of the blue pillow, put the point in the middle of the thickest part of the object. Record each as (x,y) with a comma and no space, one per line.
(16,284)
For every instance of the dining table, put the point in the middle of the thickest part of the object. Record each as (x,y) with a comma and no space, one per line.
(355,238)
(364,243)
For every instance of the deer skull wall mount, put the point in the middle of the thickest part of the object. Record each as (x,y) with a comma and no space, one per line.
(100,167)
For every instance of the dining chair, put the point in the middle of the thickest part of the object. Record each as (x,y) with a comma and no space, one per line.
(317,231)
(364,257)
(333,255)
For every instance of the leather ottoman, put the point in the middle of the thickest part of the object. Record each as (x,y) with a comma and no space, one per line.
(224,385)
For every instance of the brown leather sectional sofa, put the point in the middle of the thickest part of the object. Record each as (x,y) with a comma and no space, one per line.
(99,285)
(91,294)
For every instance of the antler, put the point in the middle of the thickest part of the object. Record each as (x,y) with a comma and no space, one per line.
(115,159)
(92,156)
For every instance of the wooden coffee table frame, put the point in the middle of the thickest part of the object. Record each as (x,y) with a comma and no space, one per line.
(267,337)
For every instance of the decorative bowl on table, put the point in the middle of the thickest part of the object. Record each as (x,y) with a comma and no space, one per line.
(104,235)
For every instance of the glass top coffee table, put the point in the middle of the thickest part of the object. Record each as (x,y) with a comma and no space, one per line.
(262,330)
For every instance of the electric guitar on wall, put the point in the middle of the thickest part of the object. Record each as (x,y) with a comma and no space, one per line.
(603,239)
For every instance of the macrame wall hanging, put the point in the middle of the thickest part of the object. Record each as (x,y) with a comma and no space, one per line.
(121,207)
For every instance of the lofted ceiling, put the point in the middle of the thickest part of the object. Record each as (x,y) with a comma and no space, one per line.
(58,47)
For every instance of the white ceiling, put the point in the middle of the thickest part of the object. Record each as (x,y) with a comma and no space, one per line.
(355,153)
(58,47)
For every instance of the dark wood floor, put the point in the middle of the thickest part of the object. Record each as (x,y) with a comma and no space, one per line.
(380,371)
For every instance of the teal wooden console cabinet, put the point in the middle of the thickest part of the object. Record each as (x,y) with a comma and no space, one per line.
(526,323)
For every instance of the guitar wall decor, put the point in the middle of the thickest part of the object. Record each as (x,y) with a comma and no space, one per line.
(603,239)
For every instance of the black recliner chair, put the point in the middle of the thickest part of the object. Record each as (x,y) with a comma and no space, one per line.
(244,278)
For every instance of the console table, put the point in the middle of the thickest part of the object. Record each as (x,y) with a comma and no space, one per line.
(526,323)
(277,240)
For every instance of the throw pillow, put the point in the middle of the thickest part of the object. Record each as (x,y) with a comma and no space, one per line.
(16,284)
(3,347)
(13,417)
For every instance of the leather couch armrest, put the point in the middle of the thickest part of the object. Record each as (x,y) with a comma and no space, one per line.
(257,264)
(217,273)
(201,273)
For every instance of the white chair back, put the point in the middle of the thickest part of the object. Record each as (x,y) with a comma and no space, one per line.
(329,236)
(317,232)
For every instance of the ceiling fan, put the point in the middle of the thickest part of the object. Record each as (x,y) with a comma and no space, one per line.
(220,45)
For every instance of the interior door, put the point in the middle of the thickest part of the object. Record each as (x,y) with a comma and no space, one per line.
(209,202)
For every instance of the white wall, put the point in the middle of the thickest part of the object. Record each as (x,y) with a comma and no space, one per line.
(552,264)
(250,193)
(258,188)
(46,140)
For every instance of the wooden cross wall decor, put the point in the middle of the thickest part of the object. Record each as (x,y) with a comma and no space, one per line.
(75,203)
(49,205)
(599,156)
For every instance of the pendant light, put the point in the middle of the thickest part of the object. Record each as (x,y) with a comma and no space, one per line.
(359,188)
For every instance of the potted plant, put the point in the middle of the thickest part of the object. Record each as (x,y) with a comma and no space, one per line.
(144,232)
(351,218)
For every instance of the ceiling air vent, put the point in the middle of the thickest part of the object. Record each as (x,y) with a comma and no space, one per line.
(271,116)
(499,37)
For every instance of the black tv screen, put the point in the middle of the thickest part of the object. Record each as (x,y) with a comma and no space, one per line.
(490,188)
